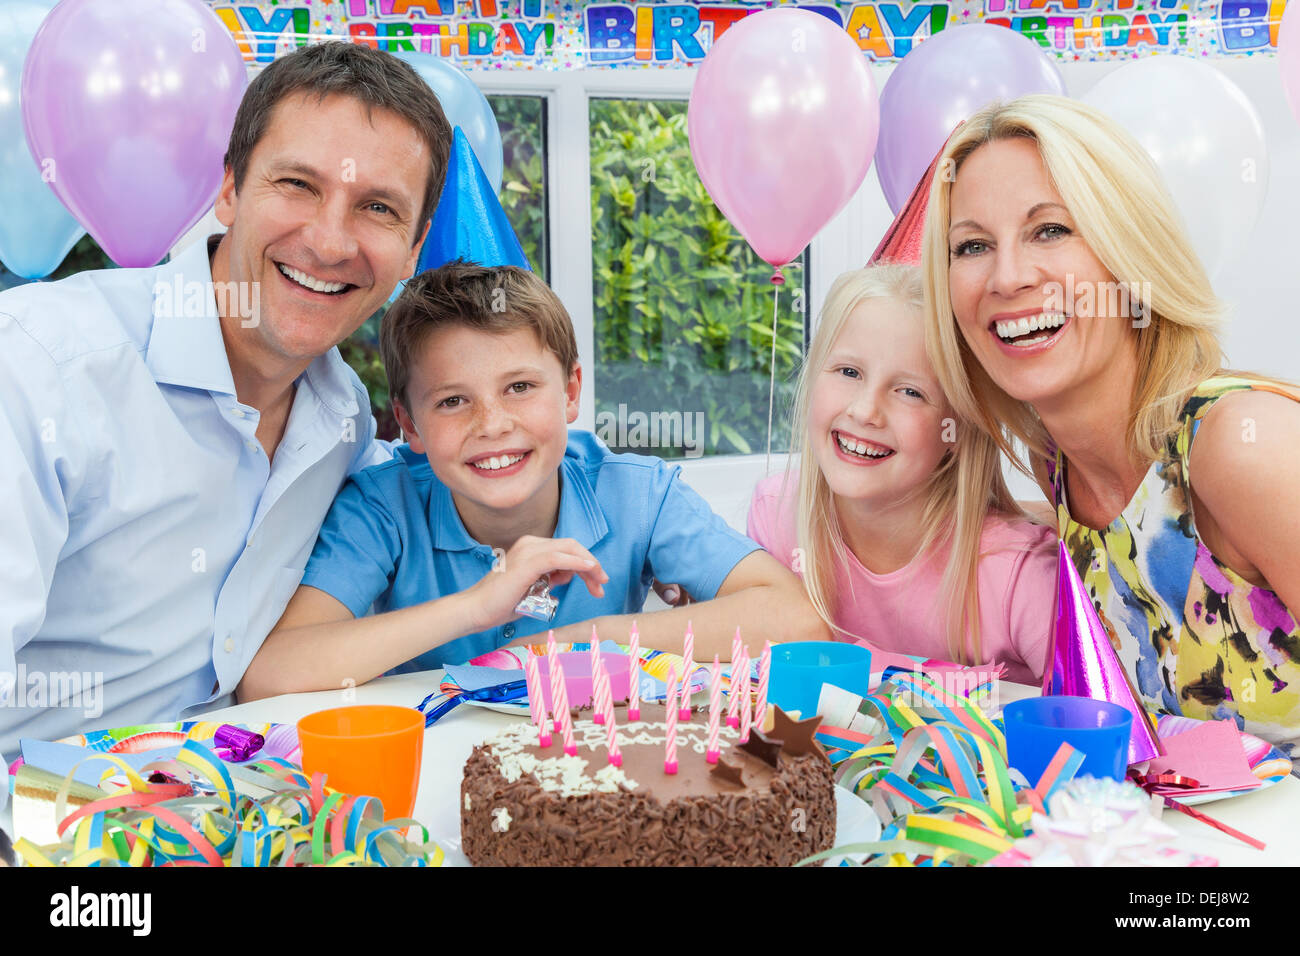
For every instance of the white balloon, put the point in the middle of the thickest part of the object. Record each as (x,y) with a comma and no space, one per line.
(1207,139)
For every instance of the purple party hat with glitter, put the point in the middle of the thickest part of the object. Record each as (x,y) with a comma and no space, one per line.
(1082,662)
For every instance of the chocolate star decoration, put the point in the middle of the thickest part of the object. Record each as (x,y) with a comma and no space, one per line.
(727,773)
(796,736)
(763,747)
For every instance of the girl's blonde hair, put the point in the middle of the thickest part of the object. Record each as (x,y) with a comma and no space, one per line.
(958,496)
(1123,212)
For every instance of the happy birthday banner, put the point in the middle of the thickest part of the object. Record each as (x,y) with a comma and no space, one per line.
(550,35)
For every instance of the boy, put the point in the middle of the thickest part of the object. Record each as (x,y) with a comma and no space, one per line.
(492,493)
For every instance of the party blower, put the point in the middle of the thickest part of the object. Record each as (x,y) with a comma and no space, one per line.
(1084,664)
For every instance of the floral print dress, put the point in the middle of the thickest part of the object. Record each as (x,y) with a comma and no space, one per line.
(1198,639)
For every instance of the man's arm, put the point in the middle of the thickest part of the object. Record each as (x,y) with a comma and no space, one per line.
(39,463)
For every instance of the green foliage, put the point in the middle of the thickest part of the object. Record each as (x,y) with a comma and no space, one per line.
(683,306)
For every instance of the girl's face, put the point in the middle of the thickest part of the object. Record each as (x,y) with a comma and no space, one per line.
(1036,306)
(876,417)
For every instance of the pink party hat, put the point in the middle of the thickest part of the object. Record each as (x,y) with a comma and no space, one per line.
(1082,662)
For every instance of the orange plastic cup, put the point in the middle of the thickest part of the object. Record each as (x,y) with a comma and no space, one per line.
(371,750)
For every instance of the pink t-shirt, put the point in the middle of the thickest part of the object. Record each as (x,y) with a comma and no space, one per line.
(903,611)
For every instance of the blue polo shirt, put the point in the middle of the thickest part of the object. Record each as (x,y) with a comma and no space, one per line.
(393,538)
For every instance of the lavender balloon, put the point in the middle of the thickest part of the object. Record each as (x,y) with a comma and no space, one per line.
(129,105)
(941,82)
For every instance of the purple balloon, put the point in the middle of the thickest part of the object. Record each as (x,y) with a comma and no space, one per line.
(941,82)
(133,101)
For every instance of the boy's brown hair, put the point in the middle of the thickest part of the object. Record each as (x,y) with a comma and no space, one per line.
(493,299)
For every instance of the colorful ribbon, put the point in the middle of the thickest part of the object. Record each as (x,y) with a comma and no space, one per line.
(203,820)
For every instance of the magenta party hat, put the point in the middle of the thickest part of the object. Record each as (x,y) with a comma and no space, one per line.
(1082,662)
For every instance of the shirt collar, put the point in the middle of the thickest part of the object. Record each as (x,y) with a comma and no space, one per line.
(185,344)
(186,347)
(581,517)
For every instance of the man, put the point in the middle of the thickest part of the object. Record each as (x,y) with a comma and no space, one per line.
(171,438)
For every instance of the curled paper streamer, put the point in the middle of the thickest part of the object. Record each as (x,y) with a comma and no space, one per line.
(300,823)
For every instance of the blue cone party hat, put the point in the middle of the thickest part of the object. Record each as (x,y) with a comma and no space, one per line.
(469,222)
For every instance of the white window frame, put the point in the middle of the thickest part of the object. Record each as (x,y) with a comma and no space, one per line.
(725,481)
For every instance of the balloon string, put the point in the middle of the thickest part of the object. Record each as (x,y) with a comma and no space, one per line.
(771,385)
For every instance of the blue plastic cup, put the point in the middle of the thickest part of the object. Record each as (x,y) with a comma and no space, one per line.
(799,670)
(1037,726)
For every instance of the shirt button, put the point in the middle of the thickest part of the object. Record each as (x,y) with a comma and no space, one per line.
(508,631)
(250,541)
(229,645)
(239,412)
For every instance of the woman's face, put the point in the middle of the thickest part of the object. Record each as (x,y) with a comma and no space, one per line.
(1036,306)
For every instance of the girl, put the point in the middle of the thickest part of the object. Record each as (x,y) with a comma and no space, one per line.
(898,516)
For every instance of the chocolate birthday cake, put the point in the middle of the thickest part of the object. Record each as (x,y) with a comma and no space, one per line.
(769,802)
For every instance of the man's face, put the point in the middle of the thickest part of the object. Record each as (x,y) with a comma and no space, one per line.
(325,220)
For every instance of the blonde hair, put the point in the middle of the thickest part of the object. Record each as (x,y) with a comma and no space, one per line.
(958,496)
(1123,212)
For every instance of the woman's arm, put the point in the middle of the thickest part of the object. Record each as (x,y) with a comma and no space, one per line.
(760,596)
(1244,470)
(318,644)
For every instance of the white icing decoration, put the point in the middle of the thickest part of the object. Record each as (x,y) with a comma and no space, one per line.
(467,801)
(501,819)
(569,776)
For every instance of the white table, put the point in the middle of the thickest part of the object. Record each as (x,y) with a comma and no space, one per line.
(1270,815)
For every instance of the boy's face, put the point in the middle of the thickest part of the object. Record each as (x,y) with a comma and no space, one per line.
(491,411)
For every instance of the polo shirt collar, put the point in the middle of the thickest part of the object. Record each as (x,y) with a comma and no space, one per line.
(581,517)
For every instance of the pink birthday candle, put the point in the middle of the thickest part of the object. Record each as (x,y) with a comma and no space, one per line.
(670,733)
(736,647)
(595,661)
(551,649)
(566,719)
(557,683)
(599,691)
(764,671)
(615,757)
(739,665)
(715,710)
(746,715)
(536,703)
(634,676)
(688,668)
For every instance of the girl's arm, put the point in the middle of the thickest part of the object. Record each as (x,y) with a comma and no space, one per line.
(319,645)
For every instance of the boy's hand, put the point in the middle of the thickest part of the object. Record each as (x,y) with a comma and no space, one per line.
(495,596)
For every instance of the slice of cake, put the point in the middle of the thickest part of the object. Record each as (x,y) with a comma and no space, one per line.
(770,802)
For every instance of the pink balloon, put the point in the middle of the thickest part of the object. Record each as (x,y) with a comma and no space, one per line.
(128,105)
(1288,56)
(782,124)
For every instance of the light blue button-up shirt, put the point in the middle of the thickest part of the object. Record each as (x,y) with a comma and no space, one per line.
(147,545)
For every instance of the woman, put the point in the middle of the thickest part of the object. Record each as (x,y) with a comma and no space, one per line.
(1067,311)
